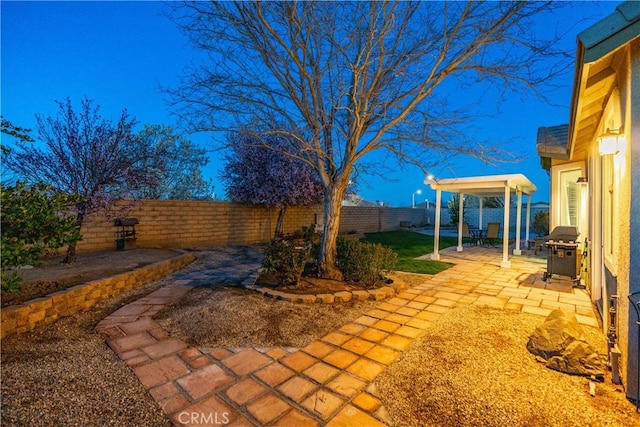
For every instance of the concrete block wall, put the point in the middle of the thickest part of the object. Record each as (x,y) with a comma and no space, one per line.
(185,224)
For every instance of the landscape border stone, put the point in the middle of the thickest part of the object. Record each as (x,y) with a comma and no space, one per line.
(376,294)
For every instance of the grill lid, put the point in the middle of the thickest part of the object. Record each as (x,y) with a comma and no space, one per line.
(564,233)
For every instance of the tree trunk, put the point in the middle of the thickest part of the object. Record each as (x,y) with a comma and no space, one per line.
(327,268)
(279,223)
(70,257)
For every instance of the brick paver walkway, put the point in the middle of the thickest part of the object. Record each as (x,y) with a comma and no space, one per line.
(328,382)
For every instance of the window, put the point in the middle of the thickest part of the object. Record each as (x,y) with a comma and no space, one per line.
(569,199)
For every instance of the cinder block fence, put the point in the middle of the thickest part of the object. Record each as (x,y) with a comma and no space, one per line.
(186,224)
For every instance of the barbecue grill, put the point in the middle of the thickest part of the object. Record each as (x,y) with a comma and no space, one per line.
(562,253)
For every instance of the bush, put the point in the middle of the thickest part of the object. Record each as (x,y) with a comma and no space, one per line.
(364,262)
(34,220)
(287,258)
(540,224)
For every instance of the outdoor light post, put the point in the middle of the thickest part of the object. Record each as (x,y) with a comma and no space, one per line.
(413,197)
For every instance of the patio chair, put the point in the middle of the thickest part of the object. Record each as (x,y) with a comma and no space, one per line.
(493,230)
(466,235)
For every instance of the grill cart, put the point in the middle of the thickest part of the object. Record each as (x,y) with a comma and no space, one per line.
(125,233)
(562,254)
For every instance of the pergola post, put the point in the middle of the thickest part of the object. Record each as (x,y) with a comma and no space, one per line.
(436,232)
(516,250)
(526,237)
(480,213)
(505,234)
(460,220)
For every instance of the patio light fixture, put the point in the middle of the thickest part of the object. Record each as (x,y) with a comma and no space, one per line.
(583,180)
(609,142)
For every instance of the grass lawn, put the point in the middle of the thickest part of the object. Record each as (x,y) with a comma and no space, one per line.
(409,245)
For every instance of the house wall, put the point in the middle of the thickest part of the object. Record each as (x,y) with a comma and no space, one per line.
(628,274)
(620,270)
(615,275)
(184,224)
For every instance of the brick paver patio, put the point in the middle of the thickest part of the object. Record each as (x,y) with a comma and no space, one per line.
(328,382)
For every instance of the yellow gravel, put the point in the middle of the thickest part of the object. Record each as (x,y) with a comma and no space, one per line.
(472,368)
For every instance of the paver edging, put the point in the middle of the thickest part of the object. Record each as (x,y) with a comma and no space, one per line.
(24,317)
(375,294)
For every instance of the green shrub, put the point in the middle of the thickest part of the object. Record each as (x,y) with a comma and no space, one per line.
(286,260)
(364,262)
(540,224)
(34,220)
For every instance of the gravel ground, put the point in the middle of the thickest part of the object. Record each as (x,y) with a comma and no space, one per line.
(64,375)
(473,369)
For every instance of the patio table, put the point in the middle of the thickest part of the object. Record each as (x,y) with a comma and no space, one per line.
(477,234)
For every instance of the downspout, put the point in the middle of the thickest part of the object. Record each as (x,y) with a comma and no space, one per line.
(516,250)
(528,225)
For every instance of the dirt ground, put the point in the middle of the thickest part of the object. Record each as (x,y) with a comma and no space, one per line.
(50,275)
(231,318)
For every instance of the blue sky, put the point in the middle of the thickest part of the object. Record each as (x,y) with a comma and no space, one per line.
(120,53)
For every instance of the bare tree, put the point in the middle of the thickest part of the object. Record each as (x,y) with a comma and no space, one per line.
(355,77)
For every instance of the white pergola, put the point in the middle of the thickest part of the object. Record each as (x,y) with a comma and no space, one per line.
(485,186)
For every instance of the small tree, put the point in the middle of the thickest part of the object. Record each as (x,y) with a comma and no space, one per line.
(259,174)
(34,220)
(540,224)
(177,163)
(88,156)
(454,209)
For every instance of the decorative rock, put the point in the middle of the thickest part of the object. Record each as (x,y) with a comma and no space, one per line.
(555,334)
(560,341)
(580,359)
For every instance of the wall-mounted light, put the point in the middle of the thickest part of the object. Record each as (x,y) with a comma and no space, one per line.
(609,142)
(582,180)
